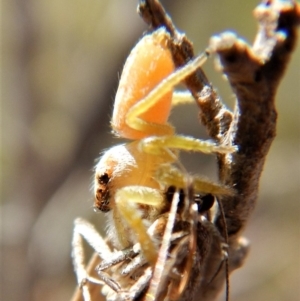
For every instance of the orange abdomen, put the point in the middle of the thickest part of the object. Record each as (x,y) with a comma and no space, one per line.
(147,65)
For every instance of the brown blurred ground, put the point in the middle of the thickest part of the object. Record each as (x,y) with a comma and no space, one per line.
(61,61)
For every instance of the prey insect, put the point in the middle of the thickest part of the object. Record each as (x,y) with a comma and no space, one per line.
(132,183)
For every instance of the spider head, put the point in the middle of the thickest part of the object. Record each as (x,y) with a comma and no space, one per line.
(112,173)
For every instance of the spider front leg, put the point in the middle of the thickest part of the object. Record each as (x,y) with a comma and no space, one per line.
(127,200)
(169,175)
(157,145)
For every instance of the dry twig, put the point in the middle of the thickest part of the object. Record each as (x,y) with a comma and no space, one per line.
(254,73)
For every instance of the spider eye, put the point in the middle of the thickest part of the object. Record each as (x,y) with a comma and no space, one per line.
(103,179)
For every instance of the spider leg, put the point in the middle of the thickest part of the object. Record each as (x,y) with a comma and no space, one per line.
(182,97)
(133,118)
(169,175)
(126,200)
(157,145)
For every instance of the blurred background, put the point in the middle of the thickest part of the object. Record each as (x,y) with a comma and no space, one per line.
(61,61)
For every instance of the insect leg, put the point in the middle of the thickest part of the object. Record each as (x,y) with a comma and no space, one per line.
(83,229)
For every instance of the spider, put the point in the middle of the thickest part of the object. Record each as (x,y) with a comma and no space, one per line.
(132,179)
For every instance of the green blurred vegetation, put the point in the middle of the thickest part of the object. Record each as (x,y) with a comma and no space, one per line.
(60,66)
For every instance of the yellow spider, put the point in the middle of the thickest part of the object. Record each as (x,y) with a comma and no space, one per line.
(132,179)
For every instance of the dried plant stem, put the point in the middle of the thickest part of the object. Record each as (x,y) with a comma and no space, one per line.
(254,73)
